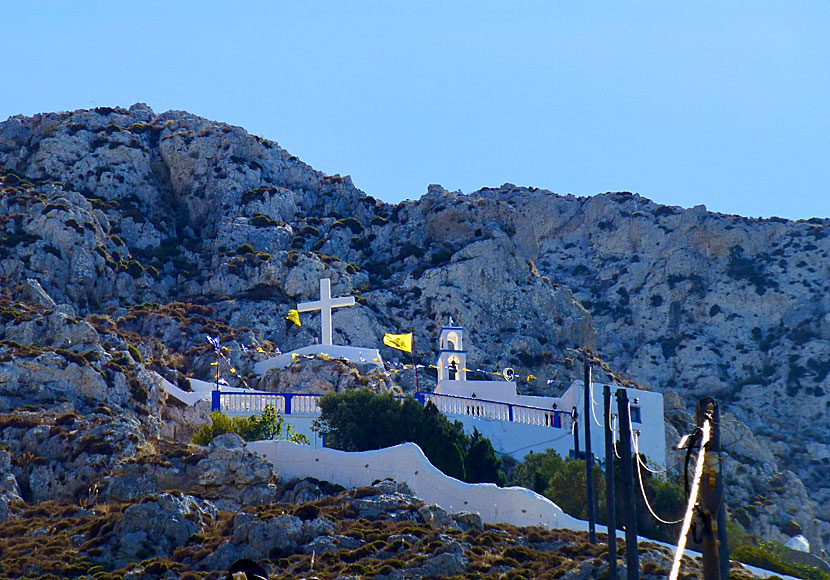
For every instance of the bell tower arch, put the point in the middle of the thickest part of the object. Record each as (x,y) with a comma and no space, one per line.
(452,358)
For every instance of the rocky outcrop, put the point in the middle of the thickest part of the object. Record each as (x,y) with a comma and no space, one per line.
(126,236)
(223,472)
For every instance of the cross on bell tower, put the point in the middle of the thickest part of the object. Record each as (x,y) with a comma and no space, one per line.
(325,305)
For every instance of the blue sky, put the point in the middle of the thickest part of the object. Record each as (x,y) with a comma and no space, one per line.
(721,103)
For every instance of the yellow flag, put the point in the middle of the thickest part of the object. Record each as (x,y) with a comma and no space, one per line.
(294,316)
(531,377)
(400,341)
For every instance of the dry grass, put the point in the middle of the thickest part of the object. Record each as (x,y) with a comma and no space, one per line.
(60,540)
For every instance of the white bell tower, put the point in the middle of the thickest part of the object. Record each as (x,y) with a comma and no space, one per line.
(452,359)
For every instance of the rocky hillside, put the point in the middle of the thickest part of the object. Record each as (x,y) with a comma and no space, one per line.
(307,529)
(126,236)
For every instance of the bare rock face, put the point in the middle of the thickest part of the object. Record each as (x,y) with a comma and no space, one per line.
(325,375)
(125,228)
(224,472)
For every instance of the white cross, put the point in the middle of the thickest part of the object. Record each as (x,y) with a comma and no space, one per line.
(324,305)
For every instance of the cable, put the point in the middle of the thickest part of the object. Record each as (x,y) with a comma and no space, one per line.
(594,413)
(614,435)
(533,445)
(637,451)
(643,490)
(687,518)
(691,445)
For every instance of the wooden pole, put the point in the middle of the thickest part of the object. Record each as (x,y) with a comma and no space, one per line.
(575,419)
(589,458)
(713,547)
(627,484)
(609,484)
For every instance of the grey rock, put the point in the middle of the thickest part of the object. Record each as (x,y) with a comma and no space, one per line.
(449,562)
(435,516)
(160,525)
(279,534)
(34,292)
(302,492)
(332,544)
(468,520)
(227,441)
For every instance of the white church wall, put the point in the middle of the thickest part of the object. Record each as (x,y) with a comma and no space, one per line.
(407,463)
(502,391)
(652,438)
(518,439)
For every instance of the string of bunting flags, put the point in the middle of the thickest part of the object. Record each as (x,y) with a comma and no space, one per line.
(393,367)
(402,341)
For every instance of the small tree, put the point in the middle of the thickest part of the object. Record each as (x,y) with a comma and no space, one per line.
(268,425)
(481,463)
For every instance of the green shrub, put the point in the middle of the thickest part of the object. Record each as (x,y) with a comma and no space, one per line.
(245,249)
(135,269)
(350,223)
(268,425)
(774,556)
(563,481)
(262,221)
(359,420)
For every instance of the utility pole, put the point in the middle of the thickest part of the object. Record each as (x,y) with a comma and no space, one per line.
(575,420)
(589,458)
(629,496)
(712,511)
(609,484)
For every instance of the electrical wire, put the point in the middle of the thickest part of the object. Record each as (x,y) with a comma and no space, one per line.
(637,451)
(534,445)
(593,412)
(643,490)
(614,435)
(691,443)
(687,518)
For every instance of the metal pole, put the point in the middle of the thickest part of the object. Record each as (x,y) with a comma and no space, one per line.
(711,495)
(609,484)
(629,497)
(589,458)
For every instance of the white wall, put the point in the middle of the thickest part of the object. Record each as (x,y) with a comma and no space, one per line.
(406,463)
(519,439)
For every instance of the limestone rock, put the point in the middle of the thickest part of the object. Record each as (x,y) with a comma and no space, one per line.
(435,516)
(159,525)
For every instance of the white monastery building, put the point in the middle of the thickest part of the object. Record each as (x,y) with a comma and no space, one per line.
(519,424)
(515,424)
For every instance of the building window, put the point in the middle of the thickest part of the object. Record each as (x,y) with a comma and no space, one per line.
(635,415)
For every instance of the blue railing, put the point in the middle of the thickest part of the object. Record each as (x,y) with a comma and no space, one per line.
(306,404)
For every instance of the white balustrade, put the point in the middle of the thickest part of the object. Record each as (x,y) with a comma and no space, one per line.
(308,405)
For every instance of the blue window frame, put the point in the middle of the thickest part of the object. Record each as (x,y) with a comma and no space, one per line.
(635,415)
